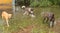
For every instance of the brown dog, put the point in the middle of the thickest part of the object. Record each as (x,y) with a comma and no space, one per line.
(6,17)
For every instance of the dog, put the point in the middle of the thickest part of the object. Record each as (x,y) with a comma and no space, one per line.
(28,11)
(6,17)
(48,17)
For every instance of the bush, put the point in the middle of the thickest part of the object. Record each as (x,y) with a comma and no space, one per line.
(37,3)
(41,3)
(45,3)
(34,4)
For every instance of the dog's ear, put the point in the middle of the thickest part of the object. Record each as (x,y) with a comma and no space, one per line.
(32,9)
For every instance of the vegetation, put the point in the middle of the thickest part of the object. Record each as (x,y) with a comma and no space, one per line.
(19,20)
(23,21)
(38,3)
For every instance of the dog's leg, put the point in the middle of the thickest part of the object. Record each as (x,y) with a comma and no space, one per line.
(7,22)
(25,13)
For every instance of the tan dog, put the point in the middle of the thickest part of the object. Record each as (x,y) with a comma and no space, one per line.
(6,17)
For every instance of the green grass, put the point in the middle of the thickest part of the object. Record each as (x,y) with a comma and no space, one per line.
(22,21)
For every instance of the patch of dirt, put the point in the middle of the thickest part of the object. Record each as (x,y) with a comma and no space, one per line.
(26,29)
(57,27)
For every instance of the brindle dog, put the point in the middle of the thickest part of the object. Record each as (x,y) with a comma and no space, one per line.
(48,17)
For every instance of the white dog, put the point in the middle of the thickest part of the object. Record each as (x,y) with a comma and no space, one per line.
(28,11)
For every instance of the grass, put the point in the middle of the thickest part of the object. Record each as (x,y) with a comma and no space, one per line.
(22,21)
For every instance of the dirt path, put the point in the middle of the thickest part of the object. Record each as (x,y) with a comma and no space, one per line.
(26,29)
